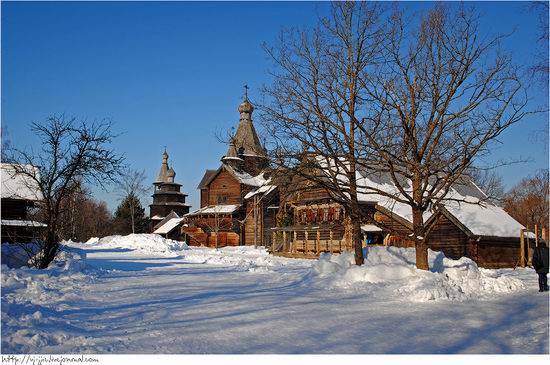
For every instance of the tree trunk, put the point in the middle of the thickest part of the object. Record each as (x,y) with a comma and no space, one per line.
(356,238)
(420,241)
(49,250)
(132,214)
(357,241)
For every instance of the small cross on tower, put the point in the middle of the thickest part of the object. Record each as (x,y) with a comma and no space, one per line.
(245,92)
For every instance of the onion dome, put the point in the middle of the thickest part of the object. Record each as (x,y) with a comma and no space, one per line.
(171,175)
(246,107)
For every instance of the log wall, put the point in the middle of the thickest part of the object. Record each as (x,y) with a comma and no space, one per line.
(449,239)
(204,197)
(224,189)
(498,252)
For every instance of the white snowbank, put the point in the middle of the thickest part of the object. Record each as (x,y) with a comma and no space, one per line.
(395,268)
(71,307)
(143,243)
(28,296)
(243,258)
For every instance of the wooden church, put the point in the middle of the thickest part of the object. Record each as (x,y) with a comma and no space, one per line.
(230,213)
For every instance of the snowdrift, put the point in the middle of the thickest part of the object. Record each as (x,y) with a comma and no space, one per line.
(146,244)
(394,268)
(242,258)
(69,264)
(31,299)
(16,255)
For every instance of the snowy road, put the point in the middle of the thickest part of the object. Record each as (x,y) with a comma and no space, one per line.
(240,300)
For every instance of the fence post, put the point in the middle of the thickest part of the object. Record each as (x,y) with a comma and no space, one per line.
(318,242)
(522,247)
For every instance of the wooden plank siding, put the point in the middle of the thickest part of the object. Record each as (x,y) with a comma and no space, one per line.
(495,252)
(224,239)
(266,220)
(249,225)
(313,195)
(204,197)
(398,230)
(224,189)
(449,239)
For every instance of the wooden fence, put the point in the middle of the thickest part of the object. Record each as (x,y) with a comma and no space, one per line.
(528,240)
(308,241)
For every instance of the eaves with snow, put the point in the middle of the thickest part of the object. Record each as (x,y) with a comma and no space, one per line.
(19,186)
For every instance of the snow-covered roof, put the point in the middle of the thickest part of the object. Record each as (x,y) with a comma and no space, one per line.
(168,226)
(18,186)
(265,189)
(480,218)
(465,202)
(245,178)
(22,223)
(474,212)
(216,209)
(241,176)
(370,228)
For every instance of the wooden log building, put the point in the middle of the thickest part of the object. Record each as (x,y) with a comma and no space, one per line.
(483,232)
(235,207)
(19,195)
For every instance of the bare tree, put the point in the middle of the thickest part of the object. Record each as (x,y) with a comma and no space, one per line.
(83,217)
(70,151)
(5,144)
(417,101)
(527,202)
(489,182)
(316,101)
(541,69)
(442,96)
(132,187)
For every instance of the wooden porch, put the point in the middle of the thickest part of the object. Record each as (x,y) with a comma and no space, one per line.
(309,241)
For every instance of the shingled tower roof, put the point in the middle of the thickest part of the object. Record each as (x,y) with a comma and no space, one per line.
(246,136)
(163,174)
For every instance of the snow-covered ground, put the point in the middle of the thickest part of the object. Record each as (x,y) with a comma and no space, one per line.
(144,294)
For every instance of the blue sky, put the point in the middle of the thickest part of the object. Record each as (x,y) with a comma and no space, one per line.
(171,74)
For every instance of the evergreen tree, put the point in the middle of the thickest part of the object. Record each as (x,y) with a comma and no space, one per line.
(130,216)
